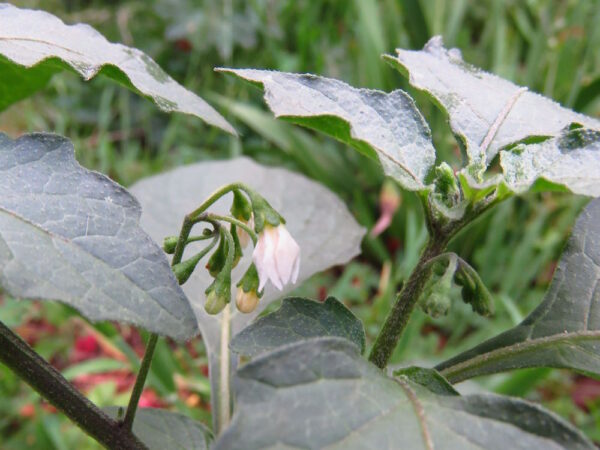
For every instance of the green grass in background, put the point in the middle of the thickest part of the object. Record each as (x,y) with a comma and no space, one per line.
(552,47)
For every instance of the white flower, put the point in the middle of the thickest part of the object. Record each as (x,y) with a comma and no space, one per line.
(276,256)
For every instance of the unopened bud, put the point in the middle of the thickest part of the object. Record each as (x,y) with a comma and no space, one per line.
(218,294)
(241,208)
(169,244)
(246,302)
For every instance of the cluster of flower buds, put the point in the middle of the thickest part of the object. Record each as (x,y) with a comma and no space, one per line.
(276,255)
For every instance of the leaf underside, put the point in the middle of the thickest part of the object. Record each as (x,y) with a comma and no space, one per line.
(165,430)
(317,219)
(487,112)
(34,45)
(298,319)
(564,330)
(385,126)
(73,235)
(323,395)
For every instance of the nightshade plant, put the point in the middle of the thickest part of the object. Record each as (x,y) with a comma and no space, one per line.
(302,377)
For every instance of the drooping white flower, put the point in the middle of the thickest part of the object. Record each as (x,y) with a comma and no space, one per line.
(276,256)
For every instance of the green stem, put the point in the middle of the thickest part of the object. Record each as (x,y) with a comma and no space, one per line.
(440,234)
(224,360)
(50,384)
(238,223)
(139,382)
(407,299)
(212,198)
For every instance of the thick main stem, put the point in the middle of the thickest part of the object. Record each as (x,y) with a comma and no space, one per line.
(50,384)
(401,311)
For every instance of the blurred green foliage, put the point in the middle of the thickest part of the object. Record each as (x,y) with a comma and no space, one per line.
(552,47)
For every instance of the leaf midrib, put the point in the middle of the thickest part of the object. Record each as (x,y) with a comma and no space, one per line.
(453,373)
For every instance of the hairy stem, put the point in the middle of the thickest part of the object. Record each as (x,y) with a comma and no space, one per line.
(50,384)
(440,234)
(407,299)
(140,381)
(224,396)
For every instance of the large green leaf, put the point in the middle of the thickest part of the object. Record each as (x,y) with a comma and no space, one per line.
(165,430)
(73,235)
(318,220)
(571,160)
(485,111)
(385,126)
(323,395)
(34,45)
(564,331)
(298,319)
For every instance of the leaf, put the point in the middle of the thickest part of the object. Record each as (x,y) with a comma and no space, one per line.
(383,126)
(429,378)
(486,112)
(319,221)
(564,330)
(298,319)
(165,430)
(323,395)
(73,235)
(34,45)
(571,160)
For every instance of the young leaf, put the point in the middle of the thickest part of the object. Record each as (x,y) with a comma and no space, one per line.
(165,430)
(318,220)
(571,160)
(34,45)
(72,235)
(485,111)
(324,395)
(298,319)
(383,126)
(429,378)
(564,331)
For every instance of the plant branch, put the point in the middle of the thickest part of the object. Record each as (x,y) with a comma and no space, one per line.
(140,381)
(407,299)
(440,234)
(50,384)
(224,397)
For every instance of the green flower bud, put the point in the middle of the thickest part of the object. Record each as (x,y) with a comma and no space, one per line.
(446,185)
(218,294)
(169,244)
(217,259)
(241,208)
(238,246)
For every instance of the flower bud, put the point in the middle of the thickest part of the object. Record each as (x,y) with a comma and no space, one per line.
(246,302)
(241,208)
(247,295)
(184,269)
(217,259)
(238,246)
(218,294)
(169,244)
